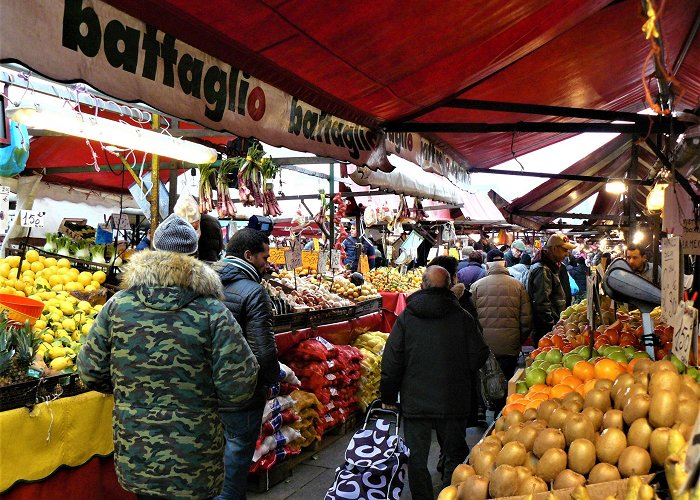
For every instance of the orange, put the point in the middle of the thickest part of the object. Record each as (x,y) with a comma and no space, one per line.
(538,396)
(540,388)
(560,390)
(572,381)
(533,404)
(545,342)
(512,407)
(559,374)
(581,390)
(584,370)
(513,398)
(608,369)
(588,386)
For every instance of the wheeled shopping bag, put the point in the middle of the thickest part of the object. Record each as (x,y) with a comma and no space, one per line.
(376,460)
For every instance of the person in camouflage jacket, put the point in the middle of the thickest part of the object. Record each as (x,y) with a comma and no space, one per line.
(173,356)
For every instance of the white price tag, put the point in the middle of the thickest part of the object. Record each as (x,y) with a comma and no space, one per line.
(31,218)
(4,207)
(322,261)
(670,277)
(335,260)
(683,336)
(119,221)
(4,190)
(292,257)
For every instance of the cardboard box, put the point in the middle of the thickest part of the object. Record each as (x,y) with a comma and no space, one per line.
(598,491)
(517,376)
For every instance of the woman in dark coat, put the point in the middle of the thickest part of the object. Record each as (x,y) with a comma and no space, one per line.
(579,271)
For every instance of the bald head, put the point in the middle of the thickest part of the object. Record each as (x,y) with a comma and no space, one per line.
(436,277)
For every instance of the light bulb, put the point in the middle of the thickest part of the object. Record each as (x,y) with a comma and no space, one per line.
(655,198)
(615,187)
(638,237)
(106,131)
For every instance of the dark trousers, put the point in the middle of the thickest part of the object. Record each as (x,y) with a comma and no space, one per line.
(418,434)
(508,365)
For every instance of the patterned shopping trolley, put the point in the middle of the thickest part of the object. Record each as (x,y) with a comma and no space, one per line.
(376,460)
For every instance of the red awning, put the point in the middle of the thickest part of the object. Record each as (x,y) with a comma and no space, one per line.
(391,61)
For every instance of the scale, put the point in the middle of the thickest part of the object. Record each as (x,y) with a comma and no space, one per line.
(623,285)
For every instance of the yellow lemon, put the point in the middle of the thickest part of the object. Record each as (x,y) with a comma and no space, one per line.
(37,266)
(75,336)
(99,276)
(31,256)
(40,324)
(55,279)
(64,263)
(85,278)
(68,324)
(89,288)
(73,273)
(28,274)
(60,333)
(20,286)
(47,337)
(85,329)
(97,307)
(67,309)
(50,261)
(35,296)
(95,285)
(20,293)
(14,272)
(13,260)
(26,266)
(84,305)
(5,269)
(56,316)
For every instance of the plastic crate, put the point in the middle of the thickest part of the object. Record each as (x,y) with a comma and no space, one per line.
(27,394)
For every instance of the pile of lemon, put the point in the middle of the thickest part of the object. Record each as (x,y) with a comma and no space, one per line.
(40,274)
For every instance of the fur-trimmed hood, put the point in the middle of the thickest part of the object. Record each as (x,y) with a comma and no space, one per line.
(169,280)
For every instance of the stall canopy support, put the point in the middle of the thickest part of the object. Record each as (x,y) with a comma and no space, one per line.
(155,182)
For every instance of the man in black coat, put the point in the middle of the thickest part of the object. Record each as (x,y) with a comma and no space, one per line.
(241,272)
(211,241)
(433,353)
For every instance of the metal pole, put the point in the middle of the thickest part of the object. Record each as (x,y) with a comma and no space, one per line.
(155,182)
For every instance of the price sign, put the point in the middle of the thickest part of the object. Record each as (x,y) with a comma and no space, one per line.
(31,218)
(322,262)
(309,259)
(335,260)
(363,267)
(119,221)
(277,256)
(670,277)
(292,256)
(4,207)
(683,336)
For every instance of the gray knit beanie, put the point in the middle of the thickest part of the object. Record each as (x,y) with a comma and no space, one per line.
(175,234)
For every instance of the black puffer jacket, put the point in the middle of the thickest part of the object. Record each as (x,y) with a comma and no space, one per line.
(251,306)
(546,294)
(432,357)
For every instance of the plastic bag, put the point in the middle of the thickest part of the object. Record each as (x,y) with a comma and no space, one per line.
(187,208)
(493,382)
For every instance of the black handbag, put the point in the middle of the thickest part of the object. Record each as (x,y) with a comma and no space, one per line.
(494,385)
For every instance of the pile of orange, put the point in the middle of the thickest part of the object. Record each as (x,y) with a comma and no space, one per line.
(562,381)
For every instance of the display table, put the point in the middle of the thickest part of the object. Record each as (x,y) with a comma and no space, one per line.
(65,432)
(392,305)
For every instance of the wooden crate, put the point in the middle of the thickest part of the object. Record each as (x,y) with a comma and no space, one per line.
(517,376)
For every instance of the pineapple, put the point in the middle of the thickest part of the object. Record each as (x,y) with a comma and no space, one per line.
(6,354)
(26,344)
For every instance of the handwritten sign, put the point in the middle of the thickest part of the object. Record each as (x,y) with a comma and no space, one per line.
(292,256)
(683,337)
(277,256)
(309,259)
(4,207)
(363,267)
(335,260)
(119,221)
(690,243)
(31,218)
(322,261)
(670,277)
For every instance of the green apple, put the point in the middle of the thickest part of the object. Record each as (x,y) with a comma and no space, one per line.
(521,387)
(629,351)
(545,364)
(618,356)
(680,366)
(640,354)
(571,359)
(535,376)
(554,356)
(541,356)
(584,351)
(535,364)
